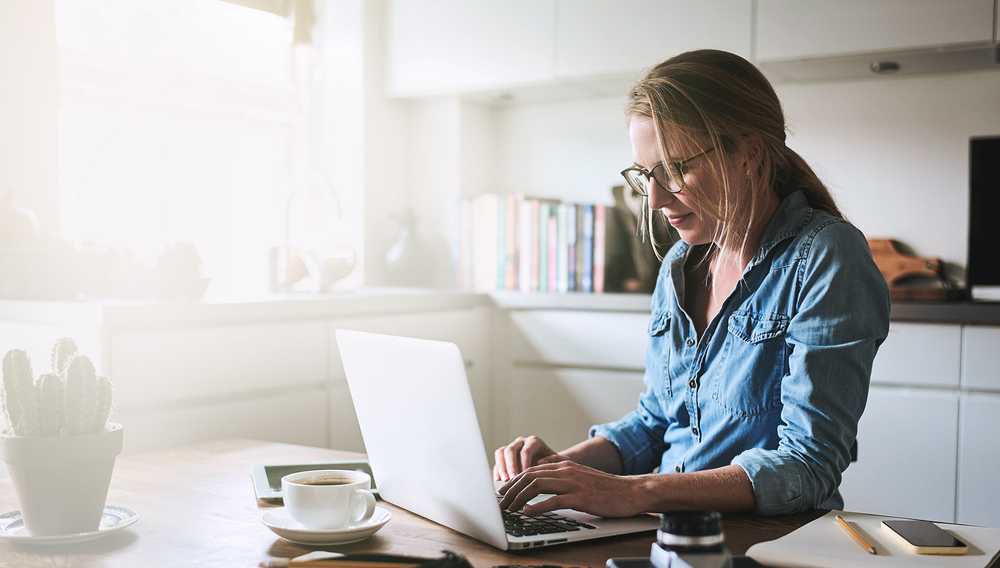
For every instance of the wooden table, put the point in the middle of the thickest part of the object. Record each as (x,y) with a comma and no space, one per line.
(197,508)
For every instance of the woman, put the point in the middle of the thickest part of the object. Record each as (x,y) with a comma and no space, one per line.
(766,318)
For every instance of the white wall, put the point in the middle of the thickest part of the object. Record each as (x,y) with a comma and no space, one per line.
(894,151)
(28,105)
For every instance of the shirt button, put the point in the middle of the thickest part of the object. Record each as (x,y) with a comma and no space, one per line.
(677,468)
(690,342)
(693,383)
(694,430)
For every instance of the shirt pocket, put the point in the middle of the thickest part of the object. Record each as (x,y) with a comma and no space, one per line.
(754,361)
(658,355)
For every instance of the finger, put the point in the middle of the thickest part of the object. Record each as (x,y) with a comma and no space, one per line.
(516,485)
(554,458)
(499,467)
(527,455)
(551,504)
(537,487)
(533,450)
(512,458)
(550,468)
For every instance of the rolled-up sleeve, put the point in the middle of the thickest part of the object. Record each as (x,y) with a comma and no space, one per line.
(638,435)
(841,319)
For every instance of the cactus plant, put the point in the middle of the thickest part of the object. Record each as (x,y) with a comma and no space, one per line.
(50,404)
(103,404)
(69,401)
(20,400)
(80,399)
(62,353)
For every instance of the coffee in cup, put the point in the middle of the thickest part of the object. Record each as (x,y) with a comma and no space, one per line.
(329,498)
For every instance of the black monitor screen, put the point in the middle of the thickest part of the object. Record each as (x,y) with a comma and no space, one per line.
(984,203)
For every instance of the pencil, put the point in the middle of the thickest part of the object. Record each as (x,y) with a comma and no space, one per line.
(856,536)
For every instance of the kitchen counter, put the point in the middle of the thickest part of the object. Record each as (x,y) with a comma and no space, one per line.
(385,301)
(966,313)
(156,315)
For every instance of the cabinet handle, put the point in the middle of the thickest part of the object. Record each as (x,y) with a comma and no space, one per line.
(882,67)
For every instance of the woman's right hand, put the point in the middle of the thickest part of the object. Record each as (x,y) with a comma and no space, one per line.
(519,455)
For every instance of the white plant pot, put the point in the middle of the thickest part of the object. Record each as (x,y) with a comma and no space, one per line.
(62,482)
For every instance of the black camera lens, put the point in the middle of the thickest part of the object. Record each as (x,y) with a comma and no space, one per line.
(691,523)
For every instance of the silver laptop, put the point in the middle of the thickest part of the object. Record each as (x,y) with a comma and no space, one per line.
(426,451)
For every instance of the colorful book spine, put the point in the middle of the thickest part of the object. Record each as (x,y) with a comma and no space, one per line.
(511,266)
(587,281)
(501,243)
(543,247)
(524,246)
(553,242)
(535,249)
(571,262)
(600,230)
(561,263)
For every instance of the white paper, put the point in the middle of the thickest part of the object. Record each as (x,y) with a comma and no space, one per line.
(823,543)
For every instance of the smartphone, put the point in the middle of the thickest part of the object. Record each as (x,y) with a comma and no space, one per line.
(924,537)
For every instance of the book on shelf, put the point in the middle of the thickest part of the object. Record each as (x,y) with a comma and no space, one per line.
(534,244)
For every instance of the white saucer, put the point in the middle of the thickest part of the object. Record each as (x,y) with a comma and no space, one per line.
(289,529)
(114,519)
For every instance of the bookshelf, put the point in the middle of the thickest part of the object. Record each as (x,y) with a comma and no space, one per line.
(511,242)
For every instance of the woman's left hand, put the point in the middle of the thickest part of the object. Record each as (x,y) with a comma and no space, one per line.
(574,486)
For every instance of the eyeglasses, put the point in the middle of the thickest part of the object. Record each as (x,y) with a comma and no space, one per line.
(638,177)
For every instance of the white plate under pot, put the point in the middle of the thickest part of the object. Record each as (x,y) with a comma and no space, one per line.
(113,519)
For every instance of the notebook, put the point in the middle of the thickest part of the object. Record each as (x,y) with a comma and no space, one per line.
(823,543)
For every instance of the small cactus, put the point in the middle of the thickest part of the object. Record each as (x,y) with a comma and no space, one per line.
(20,399)
(70,400)
(103,404)
(62,353)
(50,403)
(80,399)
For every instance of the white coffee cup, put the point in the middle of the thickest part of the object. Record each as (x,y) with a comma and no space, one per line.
(328,498)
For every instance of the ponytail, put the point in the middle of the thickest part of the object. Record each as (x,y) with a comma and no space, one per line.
(797,175)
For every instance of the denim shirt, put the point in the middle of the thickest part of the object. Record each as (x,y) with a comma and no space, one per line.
(779,379)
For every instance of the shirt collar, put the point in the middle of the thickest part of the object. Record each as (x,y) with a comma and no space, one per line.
(792,214)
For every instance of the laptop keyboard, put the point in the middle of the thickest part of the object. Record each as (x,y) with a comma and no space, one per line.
(519,524)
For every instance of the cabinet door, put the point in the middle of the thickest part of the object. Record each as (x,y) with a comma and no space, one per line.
(579,339)
(468,328)
(789,29)
(907,453)
(560,405)
(295,417)
(979,460)
(601,37)
(981,358)
(156,367)
(444,46)
(919,354)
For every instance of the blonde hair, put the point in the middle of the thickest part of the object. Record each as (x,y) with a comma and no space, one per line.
(716,97)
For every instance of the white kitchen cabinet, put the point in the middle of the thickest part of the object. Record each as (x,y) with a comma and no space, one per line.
(907,451)
(610,37)
(156,367)
(979,460)
(467,328)
(560,405)
(981,358)
(919,354)
(791,29)
(579,338)
(298,416)
(443,46)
